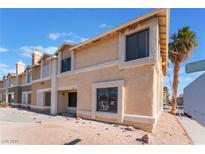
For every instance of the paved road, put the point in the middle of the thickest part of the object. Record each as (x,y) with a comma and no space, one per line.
(194,129)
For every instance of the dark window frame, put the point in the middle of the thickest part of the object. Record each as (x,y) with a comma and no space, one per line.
(136,46)
(72,99)
(66,64)
(110,97)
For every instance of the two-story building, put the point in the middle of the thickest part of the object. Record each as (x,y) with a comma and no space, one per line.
(114,77)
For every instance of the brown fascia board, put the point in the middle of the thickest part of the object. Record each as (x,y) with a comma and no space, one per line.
(138,19)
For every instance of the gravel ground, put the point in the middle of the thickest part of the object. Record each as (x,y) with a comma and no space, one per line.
(26,127)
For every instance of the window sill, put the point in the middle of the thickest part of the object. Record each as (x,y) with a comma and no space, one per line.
(136,63)
(106,114)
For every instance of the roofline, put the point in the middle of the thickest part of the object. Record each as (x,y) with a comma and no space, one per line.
(147,15)
(63,44)
(44,54)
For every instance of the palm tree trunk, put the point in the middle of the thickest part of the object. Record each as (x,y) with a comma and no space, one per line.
(175,87)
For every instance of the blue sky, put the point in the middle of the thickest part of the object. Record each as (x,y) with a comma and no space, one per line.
(22,30)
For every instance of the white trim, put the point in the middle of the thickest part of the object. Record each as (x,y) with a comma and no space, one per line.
(59,62)
(54,104)
(27,84)
(40,107)
(41,80)
(26,97)
(120,105)
(72,87)
(153,44)
(50,67)
(90,68)
(40,94)
(84,112)
(106,114)
(44,89)
(140,118)
(41,69)
(72,61)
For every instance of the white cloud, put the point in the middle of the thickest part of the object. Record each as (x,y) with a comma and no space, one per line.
(70,41)
(3,50)
(26,51)
(68,36)
(3,66)
(4,69)
(55,36)
(105,26)
(82,39)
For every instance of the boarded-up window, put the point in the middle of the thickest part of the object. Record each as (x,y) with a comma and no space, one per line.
(137,45)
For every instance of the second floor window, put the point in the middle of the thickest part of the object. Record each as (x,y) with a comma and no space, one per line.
(29,78)
(10,83)
(45,70)
(66,64)
(137,45)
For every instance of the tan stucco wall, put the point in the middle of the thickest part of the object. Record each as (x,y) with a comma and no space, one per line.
(19,79)
(13,80)
(2,92)
(1,84)
(62,101)
(23,79)
(138,87)
(65,53)
(36,73)
(36,86)
(103,51)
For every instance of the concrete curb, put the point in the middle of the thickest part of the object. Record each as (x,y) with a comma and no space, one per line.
(192,143)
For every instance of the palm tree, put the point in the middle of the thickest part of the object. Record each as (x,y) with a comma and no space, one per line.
(181,46)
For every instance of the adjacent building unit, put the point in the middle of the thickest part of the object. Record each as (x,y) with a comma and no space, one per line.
(194,99)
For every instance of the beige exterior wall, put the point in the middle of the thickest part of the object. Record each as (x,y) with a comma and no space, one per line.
(36,72)
(62,101)
(2,93)
(103,51)
(13,80)
(23,79)
(65,53)
(36,86)
(138,83)
(143,82)
(1,84)
(19,82)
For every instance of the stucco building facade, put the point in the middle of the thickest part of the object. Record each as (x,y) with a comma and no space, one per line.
(114,77)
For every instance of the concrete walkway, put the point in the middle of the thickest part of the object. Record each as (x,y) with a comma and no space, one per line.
(194,130)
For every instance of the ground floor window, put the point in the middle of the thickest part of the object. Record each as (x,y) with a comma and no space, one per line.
(107,99)
(26,97)
(11,98)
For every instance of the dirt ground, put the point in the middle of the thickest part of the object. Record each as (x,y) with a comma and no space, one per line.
(26,127)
